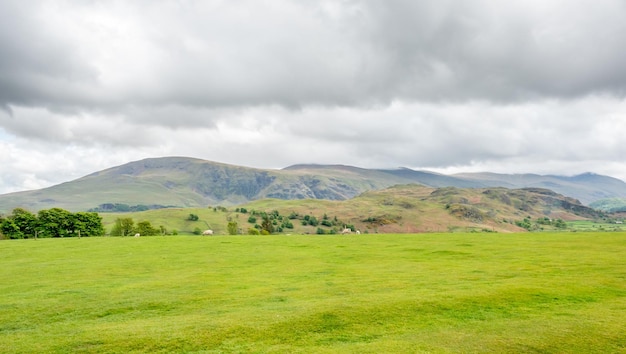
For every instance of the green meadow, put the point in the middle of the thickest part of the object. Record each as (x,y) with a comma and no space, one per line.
(400,293)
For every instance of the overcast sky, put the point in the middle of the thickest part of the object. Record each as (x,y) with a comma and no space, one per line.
(448,86)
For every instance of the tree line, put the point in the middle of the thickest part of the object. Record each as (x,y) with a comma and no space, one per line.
(55,222)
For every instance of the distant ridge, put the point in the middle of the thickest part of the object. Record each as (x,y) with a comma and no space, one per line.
(192,182)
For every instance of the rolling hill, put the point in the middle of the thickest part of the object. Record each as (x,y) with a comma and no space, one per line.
(399,209)
(189,182)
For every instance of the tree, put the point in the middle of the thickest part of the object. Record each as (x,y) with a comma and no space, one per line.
(88,224)
(267,224)
(233,228)
(145,228)
(193,217)
(123,227)
(25,222)
(55,222)
(9,229)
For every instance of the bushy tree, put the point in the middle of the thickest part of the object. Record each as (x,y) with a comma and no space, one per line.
(20,224)
(145,228)
(53,222)
(88,224)
(123,227)
(233,228)
(267,225)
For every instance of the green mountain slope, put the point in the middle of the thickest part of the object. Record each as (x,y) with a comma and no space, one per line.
(189,182)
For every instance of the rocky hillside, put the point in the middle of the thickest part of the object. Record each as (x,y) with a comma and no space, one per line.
(188,182)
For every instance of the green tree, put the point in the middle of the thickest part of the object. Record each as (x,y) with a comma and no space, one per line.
(88,224)
(197,231)
(233,228)
(25,222)
(145,228)
(9,229)
(55,222)
(123,227)
(267,224)
(193,217)
(560,224)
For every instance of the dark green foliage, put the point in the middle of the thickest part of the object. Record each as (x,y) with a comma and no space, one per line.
(197,231)
(539,223)
(192,217)
(88,224)
(560,224)
(267,225)
(145,228)
(20,224)
(252,219)
(526,224)
(53,222)
(310,220)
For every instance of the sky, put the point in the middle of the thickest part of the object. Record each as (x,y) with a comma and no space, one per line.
(446,86)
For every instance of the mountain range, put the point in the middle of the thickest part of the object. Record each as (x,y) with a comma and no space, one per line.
(190,182)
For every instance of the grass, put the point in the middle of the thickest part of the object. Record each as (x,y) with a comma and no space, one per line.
(594,226)
(432,293)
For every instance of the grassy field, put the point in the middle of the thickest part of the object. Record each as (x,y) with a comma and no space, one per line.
(594,226)
(432,293)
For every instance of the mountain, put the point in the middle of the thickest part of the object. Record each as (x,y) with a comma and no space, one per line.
(586,187)
(189,182)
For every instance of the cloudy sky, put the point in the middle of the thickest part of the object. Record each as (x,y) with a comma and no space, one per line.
(449,86)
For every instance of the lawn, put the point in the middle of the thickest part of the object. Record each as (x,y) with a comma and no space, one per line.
(432,293)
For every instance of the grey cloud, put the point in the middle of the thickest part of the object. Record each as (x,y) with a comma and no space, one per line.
(298,54)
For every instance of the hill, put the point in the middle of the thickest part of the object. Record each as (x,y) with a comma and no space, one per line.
(610,205)
(398,209)
(188,182)
(586,187)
